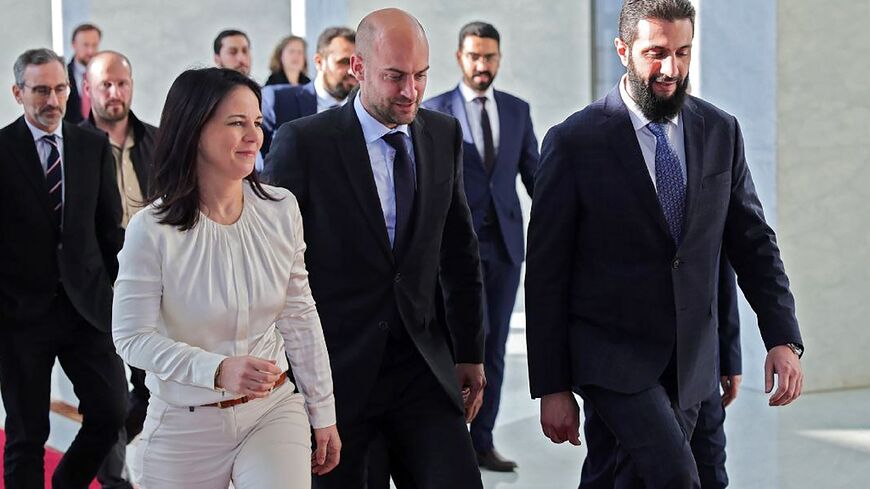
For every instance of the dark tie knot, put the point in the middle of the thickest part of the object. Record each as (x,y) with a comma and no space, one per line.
(481,101)
(659,129)
(396,140)
(50,139)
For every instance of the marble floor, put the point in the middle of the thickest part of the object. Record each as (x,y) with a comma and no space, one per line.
(820,442)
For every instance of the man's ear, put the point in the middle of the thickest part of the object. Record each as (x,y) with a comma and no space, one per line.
(623,50)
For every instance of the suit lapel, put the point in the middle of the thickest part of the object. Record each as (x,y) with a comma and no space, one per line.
(28,162)
(622,139)
(693,135)
(423,151)
(507,131)
(74,167)
(357,164)
(457,108)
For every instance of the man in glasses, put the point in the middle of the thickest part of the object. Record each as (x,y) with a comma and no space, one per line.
(61,215)
(499,144)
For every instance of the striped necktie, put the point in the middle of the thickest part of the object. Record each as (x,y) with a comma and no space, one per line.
(670,186)
(54,179)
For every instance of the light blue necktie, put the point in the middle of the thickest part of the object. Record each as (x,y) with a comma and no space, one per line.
(670,185)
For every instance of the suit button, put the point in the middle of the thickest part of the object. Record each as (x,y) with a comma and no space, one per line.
(59,246)
(676,264)
(385,326)
(397,278)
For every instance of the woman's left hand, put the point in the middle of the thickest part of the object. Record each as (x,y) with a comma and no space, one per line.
(328,451)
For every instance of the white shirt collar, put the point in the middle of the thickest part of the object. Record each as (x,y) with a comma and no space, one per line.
(371,127)
(39,133)
(638,120)
(324,99)
(469,94)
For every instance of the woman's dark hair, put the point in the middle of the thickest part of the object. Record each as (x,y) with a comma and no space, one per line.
(191,102)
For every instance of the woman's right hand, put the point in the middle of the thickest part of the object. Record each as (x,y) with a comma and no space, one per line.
(251,376)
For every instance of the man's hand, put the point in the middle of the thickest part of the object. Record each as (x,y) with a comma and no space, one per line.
(783,362)
(325,457)
(560,418)
(730,385)
(471,381)
(251,376)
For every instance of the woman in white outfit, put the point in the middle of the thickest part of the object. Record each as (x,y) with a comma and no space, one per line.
(212,290)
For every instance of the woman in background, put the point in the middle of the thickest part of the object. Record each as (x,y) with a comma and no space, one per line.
(288,63)
(212,289)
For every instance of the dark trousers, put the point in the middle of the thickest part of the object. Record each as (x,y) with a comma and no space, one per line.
(112,473)
(708,443)
(647,436)
(501,278)
(424,432)
(87,356)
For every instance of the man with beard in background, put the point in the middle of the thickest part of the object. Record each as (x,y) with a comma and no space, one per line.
(109,83)
(85,43)
(330,88)
(498,144)
(635,199)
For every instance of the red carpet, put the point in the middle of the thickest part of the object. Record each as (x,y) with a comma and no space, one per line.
(52,458)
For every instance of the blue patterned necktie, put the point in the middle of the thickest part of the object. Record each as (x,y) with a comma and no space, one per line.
(670,186)
(54,179)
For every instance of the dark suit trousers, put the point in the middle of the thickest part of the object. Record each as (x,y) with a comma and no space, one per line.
(112,474)
(87,355)
(424,431)
(708,443)
(652,440)
(501,278)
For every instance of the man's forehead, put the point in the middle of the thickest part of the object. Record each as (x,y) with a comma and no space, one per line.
(661,31)
(52,69)
(235,41)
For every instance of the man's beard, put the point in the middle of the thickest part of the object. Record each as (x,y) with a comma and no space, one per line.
(341,89)
(655,108)
(481,86)
(104,114)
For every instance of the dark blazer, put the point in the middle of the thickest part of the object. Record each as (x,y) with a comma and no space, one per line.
(728,315)
(359,286)
(34,257)
(279,78)
(74,102)
(142,151)
(609,297)
(284,103)
(517,153)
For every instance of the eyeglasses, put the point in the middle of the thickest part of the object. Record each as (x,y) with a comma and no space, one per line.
(44,91)
(486,58)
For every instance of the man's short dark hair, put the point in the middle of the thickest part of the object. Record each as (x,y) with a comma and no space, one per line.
(331,33)
(479,29)
(86,28)
(633,11)
(219,40)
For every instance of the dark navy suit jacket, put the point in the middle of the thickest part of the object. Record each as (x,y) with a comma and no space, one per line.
(517,153)
(284,103)
(610,297)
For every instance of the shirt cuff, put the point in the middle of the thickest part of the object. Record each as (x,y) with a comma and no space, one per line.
(321,415)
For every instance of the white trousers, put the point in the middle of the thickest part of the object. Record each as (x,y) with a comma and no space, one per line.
(262,444)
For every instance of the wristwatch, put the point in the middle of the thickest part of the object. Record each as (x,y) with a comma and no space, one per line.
(797,349)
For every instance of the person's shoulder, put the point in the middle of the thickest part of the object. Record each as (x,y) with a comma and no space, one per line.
(436,119)
(439,101)
(10,128)
(88,135)
(510,98)
(708,110)
(147,221)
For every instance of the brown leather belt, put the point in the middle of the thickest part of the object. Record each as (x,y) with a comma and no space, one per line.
(241,400)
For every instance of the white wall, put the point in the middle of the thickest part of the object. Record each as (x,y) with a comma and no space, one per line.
(23,26)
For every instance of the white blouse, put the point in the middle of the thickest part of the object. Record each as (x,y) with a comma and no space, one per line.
(184,301)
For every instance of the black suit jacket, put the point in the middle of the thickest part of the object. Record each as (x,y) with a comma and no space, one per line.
(142,152)
(34,256)
(74,102)
(609,296)
(358,284)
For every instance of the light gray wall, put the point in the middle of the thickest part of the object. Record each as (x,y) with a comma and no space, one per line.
(824,182)
(162,38)
(29,27)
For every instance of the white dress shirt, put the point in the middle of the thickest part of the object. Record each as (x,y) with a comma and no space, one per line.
(473,111)
(79,71)
(647,139)
(43,149)
(186,300)
(381,156)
